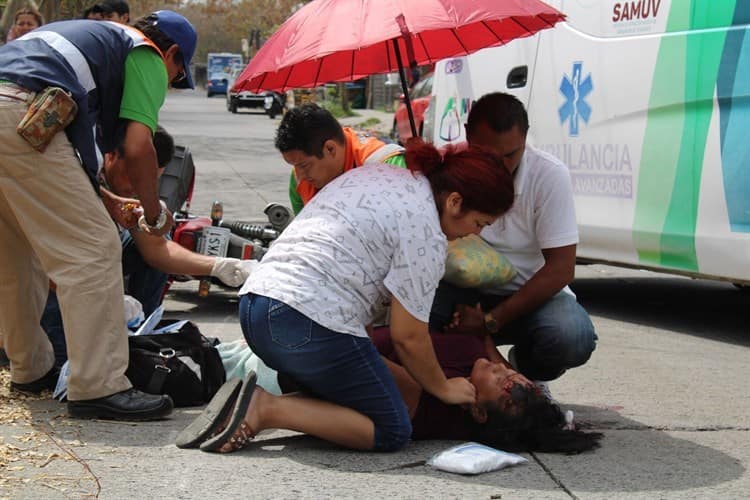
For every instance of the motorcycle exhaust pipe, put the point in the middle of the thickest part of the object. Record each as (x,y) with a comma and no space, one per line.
(250,230)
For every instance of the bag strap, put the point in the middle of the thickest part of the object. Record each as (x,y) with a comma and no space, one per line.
(156,383)
(159,376)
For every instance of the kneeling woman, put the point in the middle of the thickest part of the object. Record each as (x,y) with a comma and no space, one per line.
(374,234)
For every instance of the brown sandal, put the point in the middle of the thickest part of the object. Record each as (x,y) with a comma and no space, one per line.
(209,423)
(237,432)
(240,438)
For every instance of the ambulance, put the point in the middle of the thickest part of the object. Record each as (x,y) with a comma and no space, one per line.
(648,104)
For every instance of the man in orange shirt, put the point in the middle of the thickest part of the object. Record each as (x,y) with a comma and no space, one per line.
(320,149)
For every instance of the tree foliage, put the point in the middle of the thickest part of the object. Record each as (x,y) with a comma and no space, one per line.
(221,24)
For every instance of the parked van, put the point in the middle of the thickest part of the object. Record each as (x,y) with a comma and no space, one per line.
(648,103)
(219,68)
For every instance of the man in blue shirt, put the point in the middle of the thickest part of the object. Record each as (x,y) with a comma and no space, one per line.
(53,225)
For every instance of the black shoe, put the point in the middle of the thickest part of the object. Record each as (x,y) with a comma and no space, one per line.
(4,361)
(46,383)
(131,404)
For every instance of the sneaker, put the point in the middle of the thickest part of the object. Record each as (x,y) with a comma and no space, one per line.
(544,389)
(130,404)
(46,383)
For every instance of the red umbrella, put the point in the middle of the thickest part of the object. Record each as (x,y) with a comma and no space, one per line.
(344,40)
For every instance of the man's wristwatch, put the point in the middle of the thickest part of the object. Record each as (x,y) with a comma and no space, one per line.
(161,220)
(490,323)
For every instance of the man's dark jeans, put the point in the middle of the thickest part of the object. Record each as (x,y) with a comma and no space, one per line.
(556,336)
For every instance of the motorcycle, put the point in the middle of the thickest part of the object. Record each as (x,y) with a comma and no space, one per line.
(275,104)
(214,235)
(219,237)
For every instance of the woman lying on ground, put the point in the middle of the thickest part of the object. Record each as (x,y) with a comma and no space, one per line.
(375,234)
(509,413)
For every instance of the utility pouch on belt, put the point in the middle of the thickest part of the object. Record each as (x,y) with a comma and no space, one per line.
(49,113)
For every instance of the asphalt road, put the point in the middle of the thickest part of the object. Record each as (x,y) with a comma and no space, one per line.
(667,385)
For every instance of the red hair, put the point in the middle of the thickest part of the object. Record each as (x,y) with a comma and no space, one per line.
(476,173)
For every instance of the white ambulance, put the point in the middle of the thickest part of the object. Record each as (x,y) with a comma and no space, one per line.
(648,103)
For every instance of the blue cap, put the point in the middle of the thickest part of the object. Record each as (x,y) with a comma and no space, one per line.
(181,32)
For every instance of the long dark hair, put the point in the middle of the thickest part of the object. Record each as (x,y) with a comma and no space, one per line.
(535,424)
(477,174)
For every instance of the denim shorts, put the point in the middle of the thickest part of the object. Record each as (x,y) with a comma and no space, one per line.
(336,367)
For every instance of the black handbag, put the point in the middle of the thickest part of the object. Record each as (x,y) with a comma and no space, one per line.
(184,365)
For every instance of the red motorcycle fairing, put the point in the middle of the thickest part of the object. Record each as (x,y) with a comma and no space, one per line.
(187,233)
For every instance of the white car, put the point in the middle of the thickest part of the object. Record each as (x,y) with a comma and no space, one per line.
(243,99)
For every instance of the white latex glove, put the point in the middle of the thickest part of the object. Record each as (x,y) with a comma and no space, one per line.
(133,312)
(232,272)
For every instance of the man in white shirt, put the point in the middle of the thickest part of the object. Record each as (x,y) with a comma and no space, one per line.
(536,312)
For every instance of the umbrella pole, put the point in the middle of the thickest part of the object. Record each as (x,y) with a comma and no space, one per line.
(404,87)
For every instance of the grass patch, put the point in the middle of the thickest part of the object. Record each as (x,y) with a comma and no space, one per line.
(336,110)
(369,122)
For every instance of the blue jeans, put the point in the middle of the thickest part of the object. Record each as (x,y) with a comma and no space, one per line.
(336,367)
(546,342)
(142,282)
